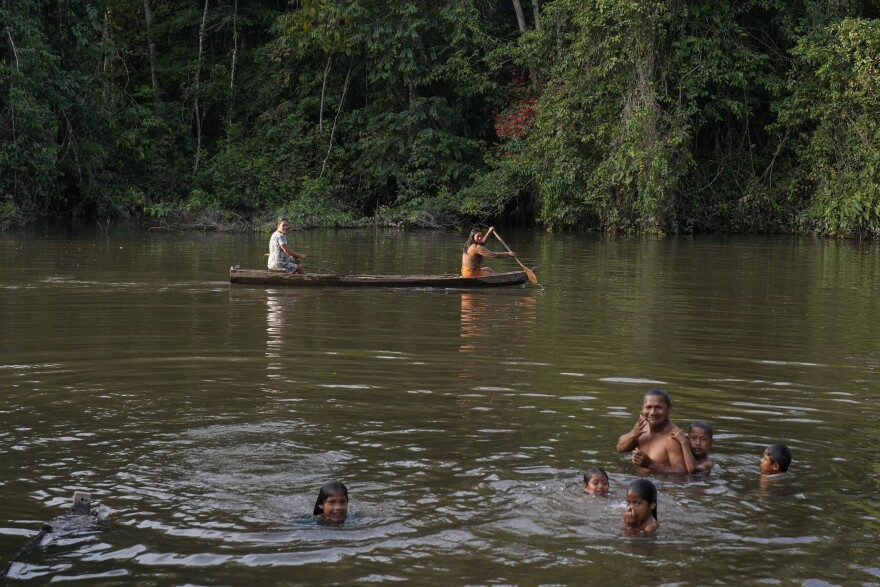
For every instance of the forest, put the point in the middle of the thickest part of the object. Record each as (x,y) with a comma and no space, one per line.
(621,116)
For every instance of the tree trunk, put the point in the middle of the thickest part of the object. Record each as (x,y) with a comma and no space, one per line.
(196,88)
(148,17)
(536,10)
(323,90)
(520,17)
(105,42)
(234,60)
(11,102)
(336,120)
(234,45)
(12,46)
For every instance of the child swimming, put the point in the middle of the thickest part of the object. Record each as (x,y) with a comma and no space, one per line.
(695,446)
(776,459)
(332,504)
(640,515)
(596,482)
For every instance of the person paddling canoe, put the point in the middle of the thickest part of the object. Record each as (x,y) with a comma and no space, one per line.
(474,251)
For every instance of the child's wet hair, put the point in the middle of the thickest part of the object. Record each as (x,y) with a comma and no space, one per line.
(704,425)
(779,455)
(326,491)
(588,474)
(646,490)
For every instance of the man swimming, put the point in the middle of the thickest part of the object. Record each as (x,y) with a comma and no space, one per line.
(650,440)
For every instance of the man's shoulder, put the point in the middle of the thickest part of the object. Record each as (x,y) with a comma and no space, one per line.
(667,435)
(668,440)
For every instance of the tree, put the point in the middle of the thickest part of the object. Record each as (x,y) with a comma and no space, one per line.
(829,122)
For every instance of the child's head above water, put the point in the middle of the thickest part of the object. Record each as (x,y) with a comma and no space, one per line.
(776,459)
(596,482)
(645,491)
(332,504)
(700,438)
(640,514)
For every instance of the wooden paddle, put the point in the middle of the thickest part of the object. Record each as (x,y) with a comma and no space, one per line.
(529,273)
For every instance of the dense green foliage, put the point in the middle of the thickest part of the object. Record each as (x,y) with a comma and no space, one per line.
(619,115)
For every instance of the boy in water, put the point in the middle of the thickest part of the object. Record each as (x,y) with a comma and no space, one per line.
(696,451)
(776,459)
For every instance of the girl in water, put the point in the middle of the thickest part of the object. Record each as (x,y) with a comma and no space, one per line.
(332,504)
(640,515)
(596,482)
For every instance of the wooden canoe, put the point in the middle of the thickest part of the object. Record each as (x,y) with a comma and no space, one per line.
(282,278)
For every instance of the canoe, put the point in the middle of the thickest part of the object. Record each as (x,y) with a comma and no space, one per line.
(272,277)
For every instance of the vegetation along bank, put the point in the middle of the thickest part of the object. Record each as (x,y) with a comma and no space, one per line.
(628,116)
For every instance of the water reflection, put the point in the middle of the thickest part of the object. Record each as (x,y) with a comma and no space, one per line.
(476,308)
(473,307)
(277,307)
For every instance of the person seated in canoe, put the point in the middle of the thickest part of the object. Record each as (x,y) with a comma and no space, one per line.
(282,256)
(474,251)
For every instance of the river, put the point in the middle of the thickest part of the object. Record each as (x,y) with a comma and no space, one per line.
(203,417)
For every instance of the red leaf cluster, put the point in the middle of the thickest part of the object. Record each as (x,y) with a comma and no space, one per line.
(516,121)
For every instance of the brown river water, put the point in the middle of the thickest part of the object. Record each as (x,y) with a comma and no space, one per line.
(203,417)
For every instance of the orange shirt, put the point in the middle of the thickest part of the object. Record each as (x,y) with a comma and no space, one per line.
(473,258)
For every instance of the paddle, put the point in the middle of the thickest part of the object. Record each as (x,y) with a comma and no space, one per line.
(529,273)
